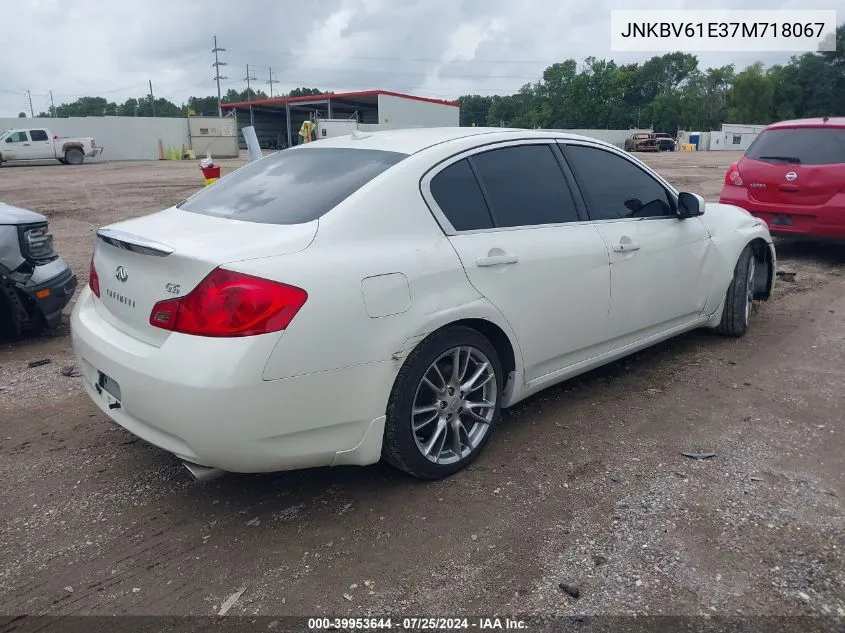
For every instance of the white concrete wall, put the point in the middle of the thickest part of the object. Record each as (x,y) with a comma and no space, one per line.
(124,138)
(398,113)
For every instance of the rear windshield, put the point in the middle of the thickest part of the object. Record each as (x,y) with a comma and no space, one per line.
(292,186)
(805,146)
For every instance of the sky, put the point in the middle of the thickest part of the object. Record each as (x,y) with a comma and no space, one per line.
(433,48)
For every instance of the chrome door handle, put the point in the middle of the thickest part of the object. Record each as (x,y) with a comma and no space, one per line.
(497,260)
(625,247)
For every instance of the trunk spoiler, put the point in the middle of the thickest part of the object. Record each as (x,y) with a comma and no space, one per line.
(134,243)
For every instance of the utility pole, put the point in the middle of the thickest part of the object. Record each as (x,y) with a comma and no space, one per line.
(217,64)
(271,82)
(152,98)
(52,106)
(249,95)
(31,111)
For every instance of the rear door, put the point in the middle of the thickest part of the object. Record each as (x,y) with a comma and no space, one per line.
(41,146)
(801,166)
(509,213)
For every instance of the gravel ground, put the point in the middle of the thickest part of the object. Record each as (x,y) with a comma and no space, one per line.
(583,490)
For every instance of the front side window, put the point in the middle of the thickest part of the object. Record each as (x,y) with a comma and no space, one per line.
(616,188)
(17,137)
(524,186)
(293,186)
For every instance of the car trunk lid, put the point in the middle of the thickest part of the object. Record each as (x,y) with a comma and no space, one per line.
(165,255)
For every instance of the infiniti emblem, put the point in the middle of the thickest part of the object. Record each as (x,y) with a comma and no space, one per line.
(121,274)
(791,176)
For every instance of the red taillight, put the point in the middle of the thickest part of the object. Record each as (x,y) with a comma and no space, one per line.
(732,176)
(94,279)
(227,303)
(93,144)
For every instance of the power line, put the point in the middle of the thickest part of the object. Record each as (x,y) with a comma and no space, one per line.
(410,59)
(217,64)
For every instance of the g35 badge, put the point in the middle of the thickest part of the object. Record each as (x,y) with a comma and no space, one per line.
(173,289)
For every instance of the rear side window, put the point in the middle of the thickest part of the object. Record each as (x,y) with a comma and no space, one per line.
(293,186)
(38,135)
(805,146)
(525,186)
(458,195)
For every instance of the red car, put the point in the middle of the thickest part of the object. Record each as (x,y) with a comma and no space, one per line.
(793,178)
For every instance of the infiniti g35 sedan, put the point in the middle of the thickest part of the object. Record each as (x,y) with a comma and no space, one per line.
(384,295)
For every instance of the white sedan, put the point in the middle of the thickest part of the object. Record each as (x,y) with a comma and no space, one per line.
(385,295)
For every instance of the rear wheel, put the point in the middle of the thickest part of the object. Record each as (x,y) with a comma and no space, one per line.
(739,299)
(74,156)
(444,404)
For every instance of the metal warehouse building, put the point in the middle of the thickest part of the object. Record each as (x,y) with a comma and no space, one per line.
(277,120)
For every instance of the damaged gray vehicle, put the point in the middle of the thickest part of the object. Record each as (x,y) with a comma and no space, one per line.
(35,283)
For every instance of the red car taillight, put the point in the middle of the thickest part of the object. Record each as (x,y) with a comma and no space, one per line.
(732,176)
(94,279)
(228,303)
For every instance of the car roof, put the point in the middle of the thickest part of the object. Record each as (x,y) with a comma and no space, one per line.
(413,140)
(832,122)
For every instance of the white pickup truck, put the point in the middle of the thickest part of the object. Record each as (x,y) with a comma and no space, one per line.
(42,144)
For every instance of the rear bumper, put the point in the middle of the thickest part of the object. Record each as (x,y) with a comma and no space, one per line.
(204,400)
(95,152)
(826,222)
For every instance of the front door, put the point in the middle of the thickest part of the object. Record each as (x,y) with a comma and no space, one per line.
(16,146)
(657,261)
(523,246)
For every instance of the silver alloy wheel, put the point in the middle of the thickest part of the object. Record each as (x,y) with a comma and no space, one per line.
(749,298)
(454,405)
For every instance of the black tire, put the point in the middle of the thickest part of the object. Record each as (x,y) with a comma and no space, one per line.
(738,299)
(11,328)
(400,447)
(74,156)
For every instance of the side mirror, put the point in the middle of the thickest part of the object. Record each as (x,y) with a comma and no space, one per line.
(690,205)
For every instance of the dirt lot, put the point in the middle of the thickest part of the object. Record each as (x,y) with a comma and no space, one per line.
(584,484)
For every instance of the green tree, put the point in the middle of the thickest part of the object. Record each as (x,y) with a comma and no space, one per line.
(751,99)
(474,110)
(307,92)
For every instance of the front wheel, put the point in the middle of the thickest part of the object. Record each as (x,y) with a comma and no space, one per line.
(739,299)
(444,404)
